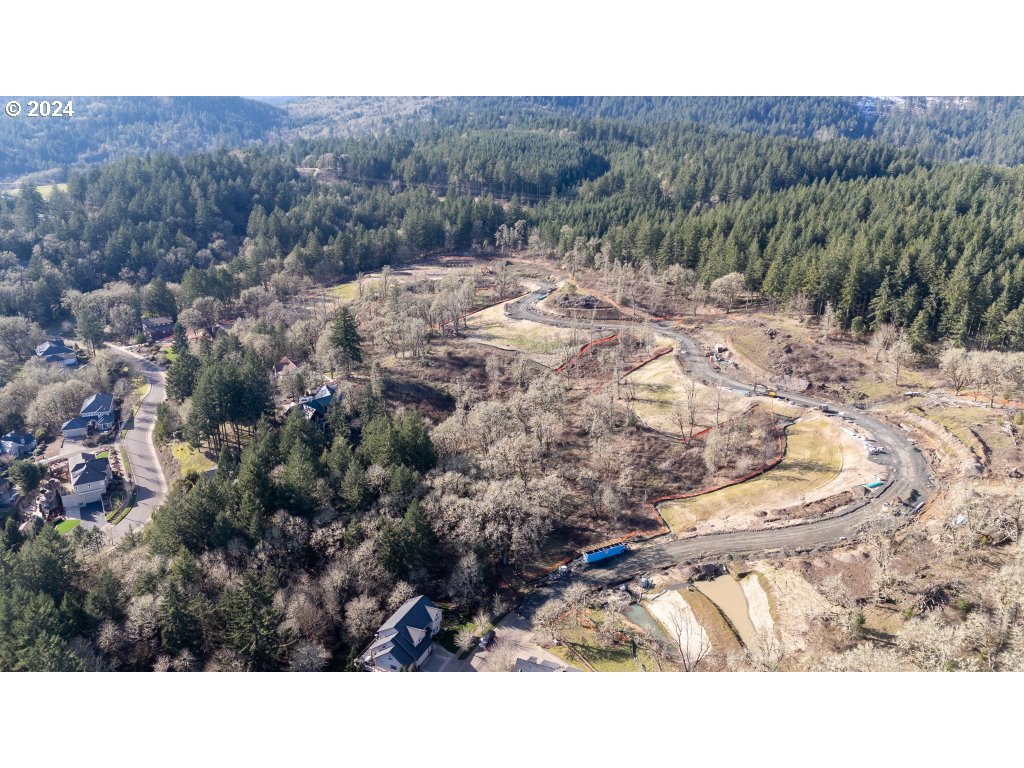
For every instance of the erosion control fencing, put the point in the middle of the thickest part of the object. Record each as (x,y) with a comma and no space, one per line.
(584,349)
(780,433)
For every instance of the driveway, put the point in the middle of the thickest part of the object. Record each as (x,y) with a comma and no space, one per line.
(514,629)
(439,659)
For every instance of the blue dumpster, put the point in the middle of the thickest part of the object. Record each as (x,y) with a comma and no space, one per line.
(603,552)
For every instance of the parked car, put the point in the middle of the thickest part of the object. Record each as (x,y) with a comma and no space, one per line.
(486,640)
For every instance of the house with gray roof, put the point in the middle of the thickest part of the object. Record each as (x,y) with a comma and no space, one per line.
(56,351)
(87,481)
(100,404)
(17,444)
(405,640)
(314,407)
(76,428)
(97,415)
(534,664)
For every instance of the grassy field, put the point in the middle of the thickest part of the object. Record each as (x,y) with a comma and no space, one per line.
(190,460)
(748,340)
(615,658)
(660,384)
(814,457)
(960,421)
(883,384)
(541,342)
(44,189)
(345,291)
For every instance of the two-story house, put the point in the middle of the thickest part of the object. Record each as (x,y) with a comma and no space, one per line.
(88,478)
(155,328)
(56,351)
(96,414)
(405,640)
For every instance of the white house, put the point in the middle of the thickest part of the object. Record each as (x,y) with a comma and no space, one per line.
(405,639)
(88,477)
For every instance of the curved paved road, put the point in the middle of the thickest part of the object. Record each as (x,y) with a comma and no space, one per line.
(907,471)
(150,483)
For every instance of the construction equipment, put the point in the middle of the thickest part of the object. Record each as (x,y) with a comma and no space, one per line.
(762,389)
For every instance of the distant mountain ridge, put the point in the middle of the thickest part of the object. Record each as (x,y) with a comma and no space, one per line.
(104,129)
(943,129)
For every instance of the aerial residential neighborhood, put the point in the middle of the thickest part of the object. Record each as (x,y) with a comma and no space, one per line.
(634,384)
(412,392)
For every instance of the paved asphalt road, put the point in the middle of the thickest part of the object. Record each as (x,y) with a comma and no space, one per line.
(907,471)
(150,482)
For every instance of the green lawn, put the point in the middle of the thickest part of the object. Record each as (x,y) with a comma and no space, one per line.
(190,460)
(345,292)
(43,189)
(615,658)
(67,525)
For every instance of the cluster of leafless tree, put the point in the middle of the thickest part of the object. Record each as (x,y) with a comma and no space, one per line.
(42,397)
(993,373)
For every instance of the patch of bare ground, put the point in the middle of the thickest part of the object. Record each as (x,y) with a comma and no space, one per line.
(799,607)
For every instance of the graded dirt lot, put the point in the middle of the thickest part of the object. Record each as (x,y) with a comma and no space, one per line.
(542,343)
(660,385)
(785,351)
(821,460)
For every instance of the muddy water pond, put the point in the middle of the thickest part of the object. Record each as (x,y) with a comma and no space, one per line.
(727,594)
(638,614)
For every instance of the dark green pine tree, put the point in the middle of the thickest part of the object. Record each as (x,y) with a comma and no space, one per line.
(89,326)
(159,301)
(252,625)
(106,601)
(182,375)
(345,338)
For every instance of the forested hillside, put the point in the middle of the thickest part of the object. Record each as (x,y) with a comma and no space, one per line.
(104,129)
(875,232)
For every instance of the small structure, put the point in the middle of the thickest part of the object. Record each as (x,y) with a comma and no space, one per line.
(87,481)
(314,407)
(56,351)
(17,444)
(405,640)
(76,428)
(284,365)
(155,328)
(534,664)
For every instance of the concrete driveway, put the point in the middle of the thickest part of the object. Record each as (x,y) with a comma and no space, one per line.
(439,659)
(514,629)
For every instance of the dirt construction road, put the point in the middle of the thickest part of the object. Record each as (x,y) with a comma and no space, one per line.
(903,463)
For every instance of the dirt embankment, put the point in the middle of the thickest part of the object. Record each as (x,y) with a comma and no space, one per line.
(948,453)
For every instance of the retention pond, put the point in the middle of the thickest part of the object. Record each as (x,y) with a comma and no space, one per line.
(727,594)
